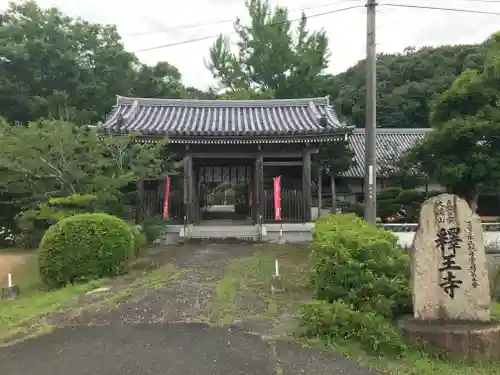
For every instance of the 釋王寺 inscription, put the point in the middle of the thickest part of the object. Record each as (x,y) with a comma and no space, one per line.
(448,241)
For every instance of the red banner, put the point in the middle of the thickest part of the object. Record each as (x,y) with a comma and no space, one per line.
(249,195)
(167,193)
(277,198)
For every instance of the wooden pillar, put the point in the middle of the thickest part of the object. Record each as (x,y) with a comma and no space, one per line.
(255,193)
(188,187)
(262,197)
(196,197)
(320,190)
(139,208)
(259,185)
(306,184)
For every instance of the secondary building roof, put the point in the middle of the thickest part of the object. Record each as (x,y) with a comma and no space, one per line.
(391,145)
(201,120)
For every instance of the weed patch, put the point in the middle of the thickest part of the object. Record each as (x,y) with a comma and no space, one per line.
(244,292)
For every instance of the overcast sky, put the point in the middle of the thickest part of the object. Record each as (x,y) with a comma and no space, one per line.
(151,23)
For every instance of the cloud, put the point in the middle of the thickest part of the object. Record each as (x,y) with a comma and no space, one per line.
(397,27)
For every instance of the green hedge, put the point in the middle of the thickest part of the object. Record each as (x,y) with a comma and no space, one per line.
(334,322)
(361,265)
(139,240)
(85,247)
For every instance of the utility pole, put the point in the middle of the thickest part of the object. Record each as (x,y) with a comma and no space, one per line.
(370,116)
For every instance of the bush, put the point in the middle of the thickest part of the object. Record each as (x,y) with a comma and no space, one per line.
(139,240)
(337,321)
(153,227)
(361,265)
(84,247)
(34,222)
(356,208)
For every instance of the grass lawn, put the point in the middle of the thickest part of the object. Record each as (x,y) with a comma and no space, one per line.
(244,294)
(26,316)
(18,315)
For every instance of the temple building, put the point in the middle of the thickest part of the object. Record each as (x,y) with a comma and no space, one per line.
(240,146)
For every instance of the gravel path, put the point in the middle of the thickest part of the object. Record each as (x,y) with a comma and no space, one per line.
(160,332)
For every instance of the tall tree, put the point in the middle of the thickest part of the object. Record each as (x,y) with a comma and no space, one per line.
(461,153)
(335,157)
(241,94)
(271,54)
(55,158)
(58,67)
(160,81)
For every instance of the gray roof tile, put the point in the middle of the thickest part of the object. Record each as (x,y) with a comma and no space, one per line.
(391,144)
(224,118)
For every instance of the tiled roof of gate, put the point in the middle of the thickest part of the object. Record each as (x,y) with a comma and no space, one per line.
(391,145)
(224,118)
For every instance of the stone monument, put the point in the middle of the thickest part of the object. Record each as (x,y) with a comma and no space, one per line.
(451,291)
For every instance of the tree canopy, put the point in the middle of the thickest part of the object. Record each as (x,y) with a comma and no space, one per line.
(408,84)
(461,153)
(59,67)
(271,54)
(59,74)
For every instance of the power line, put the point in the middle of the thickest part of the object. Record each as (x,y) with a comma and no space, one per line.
(442,9)
(482,1)
(468,1)
(269,25)
(213,23)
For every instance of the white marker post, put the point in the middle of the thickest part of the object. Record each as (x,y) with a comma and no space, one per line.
(11,291)
(277,279)
(281,240)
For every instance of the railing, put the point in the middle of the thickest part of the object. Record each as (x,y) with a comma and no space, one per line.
(412,227)
(292,206)
(153,201)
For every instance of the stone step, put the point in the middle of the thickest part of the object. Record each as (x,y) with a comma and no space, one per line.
(241,232)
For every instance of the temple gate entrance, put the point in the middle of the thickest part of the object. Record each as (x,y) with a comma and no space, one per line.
(223,191)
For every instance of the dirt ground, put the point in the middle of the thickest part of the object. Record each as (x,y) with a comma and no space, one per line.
(10,262)
(207,314)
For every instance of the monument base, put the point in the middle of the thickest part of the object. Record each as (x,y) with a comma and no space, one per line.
(462,341)
(11,292)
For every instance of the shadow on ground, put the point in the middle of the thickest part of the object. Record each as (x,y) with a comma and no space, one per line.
(169,326)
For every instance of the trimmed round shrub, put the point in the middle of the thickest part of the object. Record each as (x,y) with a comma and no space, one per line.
(139,240)
(85,247)
(360,264)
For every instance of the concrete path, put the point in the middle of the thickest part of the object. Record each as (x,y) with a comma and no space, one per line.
(157,333)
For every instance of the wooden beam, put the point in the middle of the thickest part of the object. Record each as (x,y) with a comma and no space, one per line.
(287,163)
(245,155)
